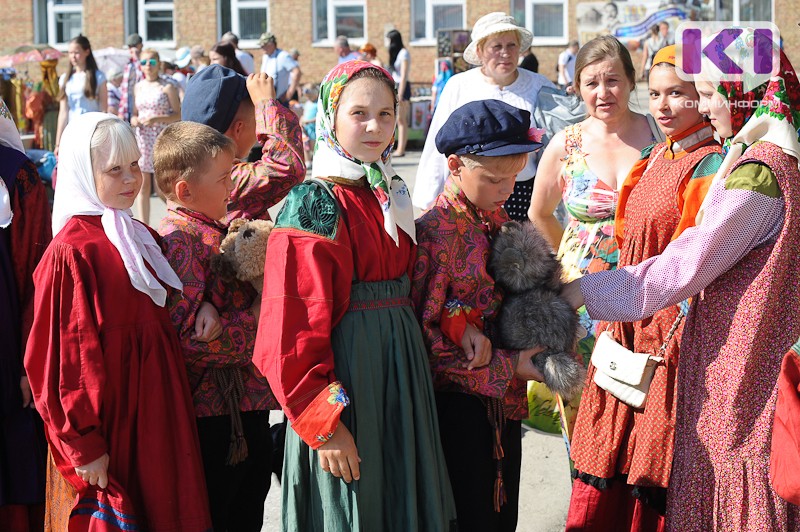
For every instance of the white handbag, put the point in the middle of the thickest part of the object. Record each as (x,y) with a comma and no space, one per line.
(621,372)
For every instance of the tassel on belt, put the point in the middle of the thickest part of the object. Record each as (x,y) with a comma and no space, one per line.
(497,419)
(231,384)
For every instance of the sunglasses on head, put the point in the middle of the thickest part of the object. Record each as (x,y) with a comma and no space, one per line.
(151,62)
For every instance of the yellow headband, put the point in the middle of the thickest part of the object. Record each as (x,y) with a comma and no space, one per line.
(665,55)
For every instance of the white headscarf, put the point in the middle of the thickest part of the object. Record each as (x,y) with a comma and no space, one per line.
(9,136)
(76,194)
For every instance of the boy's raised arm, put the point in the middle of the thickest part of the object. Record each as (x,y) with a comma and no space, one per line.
(264,183)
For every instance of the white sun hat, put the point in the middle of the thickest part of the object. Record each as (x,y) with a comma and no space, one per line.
(491,24)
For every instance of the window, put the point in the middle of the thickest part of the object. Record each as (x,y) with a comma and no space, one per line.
(248,19)
(430,16)
(547,19)
(339,17)
(744,10)
(62,23)
(156,22)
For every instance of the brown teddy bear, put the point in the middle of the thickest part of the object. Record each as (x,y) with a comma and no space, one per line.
(243,251)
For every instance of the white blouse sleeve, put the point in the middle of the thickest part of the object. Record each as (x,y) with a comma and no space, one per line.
(432,171)
(737,221)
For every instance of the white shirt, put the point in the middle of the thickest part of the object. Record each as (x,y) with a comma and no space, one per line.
(247,61)
(463,88)
(349,57)
(181,79)
(279,66)
(567,59)
(402,55)
(76,100)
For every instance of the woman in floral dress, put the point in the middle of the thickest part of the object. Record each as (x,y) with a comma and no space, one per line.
(157,105)
(583,166)
(623,455)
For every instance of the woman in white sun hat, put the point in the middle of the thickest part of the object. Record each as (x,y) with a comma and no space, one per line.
(495,48)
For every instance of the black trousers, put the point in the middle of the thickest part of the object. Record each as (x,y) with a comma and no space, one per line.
(236,494)
(468,442)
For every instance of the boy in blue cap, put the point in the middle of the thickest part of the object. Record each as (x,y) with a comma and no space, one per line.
(480,391)
(247,111)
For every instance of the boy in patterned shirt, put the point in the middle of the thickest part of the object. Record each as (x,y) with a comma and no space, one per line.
(247,111)
(486,143)
(231,398)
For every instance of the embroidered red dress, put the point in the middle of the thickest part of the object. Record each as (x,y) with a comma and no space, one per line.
(658,200)
(107,374)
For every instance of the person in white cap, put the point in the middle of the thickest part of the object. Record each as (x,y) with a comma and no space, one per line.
(495,48)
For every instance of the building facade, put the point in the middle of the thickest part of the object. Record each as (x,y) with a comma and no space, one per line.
(311,26)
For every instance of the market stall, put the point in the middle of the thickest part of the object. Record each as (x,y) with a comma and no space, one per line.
(30,91)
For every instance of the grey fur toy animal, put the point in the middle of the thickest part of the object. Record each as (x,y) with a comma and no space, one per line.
(533,314)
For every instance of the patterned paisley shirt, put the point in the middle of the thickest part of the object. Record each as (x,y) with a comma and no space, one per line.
(450,277)
(190,239)
(264,183)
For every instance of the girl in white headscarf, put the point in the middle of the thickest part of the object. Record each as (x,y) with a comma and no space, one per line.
(103,359)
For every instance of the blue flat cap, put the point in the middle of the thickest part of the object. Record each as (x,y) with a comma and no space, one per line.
(489,128)
(213,96)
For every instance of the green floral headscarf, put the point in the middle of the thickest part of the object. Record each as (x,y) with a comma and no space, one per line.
(331,159)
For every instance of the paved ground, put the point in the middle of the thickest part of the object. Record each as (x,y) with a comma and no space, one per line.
(545,484)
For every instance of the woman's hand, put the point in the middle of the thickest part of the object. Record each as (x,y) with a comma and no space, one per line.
(339,456)
(572,293)
(95,473)
(547,191)
(477,347)
(207,325)
(525,368)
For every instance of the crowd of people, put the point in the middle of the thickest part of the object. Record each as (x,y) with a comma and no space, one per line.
(138,378)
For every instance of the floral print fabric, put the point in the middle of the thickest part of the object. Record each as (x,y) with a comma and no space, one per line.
(331,159)
(450,272)
(588,244)
(262,184)
(189,241)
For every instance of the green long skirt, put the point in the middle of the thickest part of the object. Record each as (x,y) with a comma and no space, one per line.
(380,358)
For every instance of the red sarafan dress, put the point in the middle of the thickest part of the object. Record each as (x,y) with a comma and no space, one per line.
(623,455)
(107,375)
